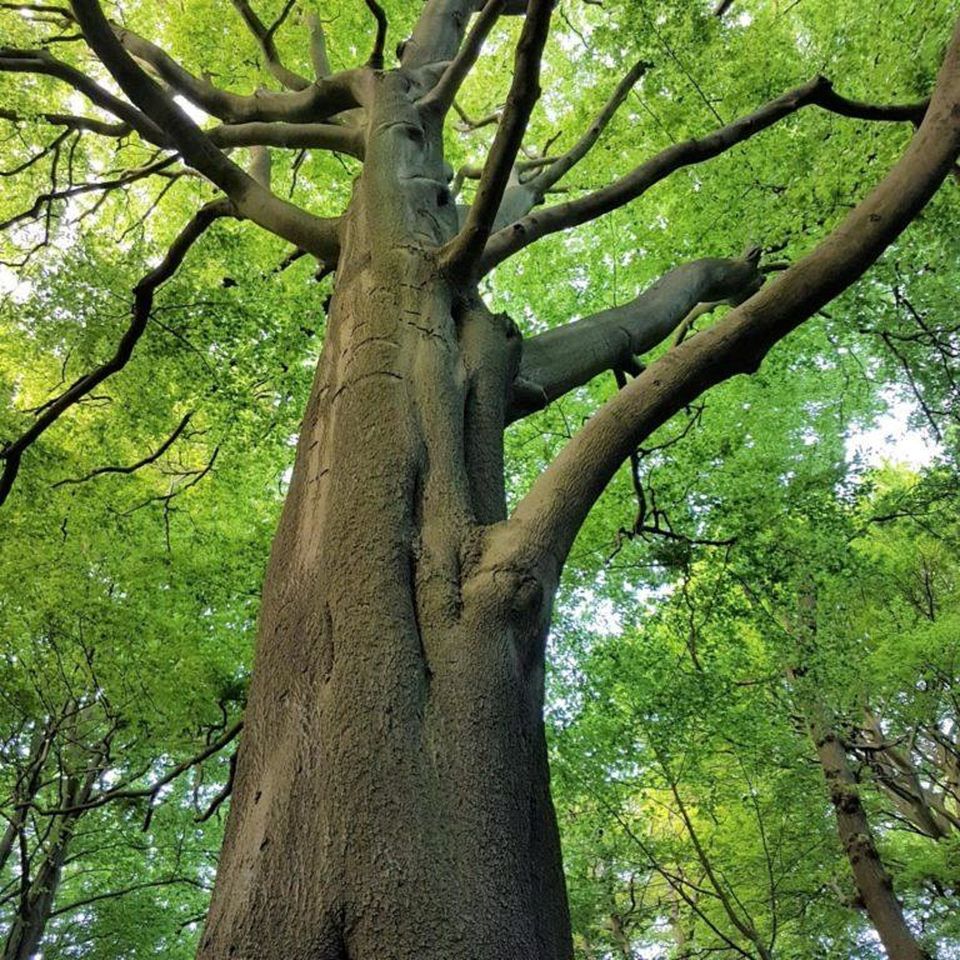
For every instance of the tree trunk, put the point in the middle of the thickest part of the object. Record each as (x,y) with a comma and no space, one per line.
(874,884)
(30,923)
(392,795)
(38,895)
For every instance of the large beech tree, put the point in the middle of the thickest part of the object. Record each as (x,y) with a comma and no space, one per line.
(392,792)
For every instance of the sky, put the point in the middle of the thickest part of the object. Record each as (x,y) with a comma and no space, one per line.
(892,440)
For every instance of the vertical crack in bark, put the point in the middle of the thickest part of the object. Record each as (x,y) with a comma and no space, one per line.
(414,556)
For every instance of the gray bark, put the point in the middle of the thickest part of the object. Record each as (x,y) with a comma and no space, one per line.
(392,795)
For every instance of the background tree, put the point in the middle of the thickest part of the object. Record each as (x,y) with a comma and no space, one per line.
(392,791)
(697,758)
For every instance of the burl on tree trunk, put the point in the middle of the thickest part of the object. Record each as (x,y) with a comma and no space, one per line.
(392,793)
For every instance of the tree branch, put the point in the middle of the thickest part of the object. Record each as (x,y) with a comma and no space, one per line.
(251,199)
(315,101)
(562,165)
(441,97)
(318,46)
(547,519)
(460,255)
(438,32)
(12,454)
(566,357)
(264,37)
(124,793)
(81,124)
(44,200)
(376,56)
(829,99)
(562,216)
(468,124)
(123,891)
(134,467)
(43,62)
(295,136)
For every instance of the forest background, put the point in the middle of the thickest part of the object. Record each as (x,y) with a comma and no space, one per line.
(755,584)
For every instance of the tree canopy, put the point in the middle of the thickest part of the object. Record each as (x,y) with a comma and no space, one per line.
(748,587)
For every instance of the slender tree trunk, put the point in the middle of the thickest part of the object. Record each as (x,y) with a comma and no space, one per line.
(620,936)
(25,790)
(874,883)
(392,796)
(39,894)
(30,923)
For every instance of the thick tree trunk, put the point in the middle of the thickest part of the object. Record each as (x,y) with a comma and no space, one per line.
(392,796)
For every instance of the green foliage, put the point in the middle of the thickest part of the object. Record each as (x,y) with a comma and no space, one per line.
(128,601)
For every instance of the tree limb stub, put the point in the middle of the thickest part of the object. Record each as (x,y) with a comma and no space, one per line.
(566,357)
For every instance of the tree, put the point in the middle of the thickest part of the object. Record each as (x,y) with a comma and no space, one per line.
(715,797)
(392,791)
(112,757)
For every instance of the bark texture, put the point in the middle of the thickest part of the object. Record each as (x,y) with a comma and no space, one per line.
(874,884)
(392,796)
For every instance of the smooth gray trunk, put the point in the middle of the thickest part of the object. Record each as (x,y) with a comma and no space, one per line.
(392,795)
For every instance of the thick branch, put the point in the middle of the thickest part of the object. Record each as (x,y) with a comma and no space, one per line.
(264,36)
(316,101)
(460,255)
(43,62)
(296,136)
(12,454)
(547,519)
(561,216)
(251,199)
(830,100)
(438,32)
(318,46)
(555,362)
(442,96)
